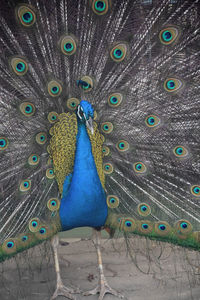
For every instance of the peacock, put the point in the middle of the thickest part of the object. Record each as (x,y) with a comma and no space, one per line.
(99,105)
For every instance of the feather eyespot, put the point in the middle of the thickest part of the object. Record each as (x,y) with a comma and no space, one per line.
(195,190)
(85,83)
(162,228)
(100,7)
(115,99)
(105,150)
(41,138)
(19,66)
(145,227)
(128,224)
(33,160)
(43,232)
(52,117)
(122,146)
(143,209)
(27,108)
(112,201)
(152,121)
(3,143)
(54,88)
(25,185)
(183,227)
(180,151)
(168,35)
(9,246)
(172,85)
(34,224)
(68,45)
(108,168)
(26,15)
(118,53)
(53,204)
(72,103)
(139,168)
(107,127)
(50,173)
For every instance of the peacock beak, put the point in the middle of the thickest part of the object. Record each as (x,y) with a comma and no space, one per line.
(90,125)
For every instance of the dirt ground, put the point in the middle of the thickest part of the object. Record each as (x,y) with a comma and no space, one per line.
(160,273)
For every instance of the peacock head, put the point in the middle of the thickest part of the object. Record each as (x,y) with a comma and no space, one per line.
(85,114)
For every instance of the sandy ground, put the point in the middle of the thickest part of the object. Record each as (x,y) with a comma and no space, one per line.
(173,273)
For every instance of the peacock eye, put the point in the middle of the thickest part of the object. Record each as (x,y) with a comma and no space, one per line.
(54,88)
(72,103)
(152,121)
(100,7)
(168,35)
(19,66)
(26,15)
(118,53)
(172,84)
(68,45)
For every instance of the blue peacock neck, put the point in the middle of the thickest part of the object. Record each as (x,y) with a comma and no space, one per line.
(84,204)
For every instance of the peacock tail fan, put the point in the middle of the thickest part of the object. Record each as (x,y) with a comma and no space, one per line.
(137,64)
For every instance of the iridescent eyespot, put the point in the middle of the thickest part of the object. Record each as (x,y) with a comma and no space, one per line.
(25,185)
(168,35)
(183,227)
(172,85)
(143,209)
(86,83)
(115,99)
(41,138)
(107,127)
(145,227)
(105,150)
(3,143)
(68,45)
(162,228)
(50,173)
(54,88)
(52,117)
(72,103)
(43,232)
(180,151)
(195,190)
(9,246)
(27,108)
(26,15)
(24,238)
(19,66)
(108,168)
(100,7)
(112,201)
(128,225)
(122,145)
(118,53)
(152,121)
(33,160)
(53,204)
(34,224)
(139,167)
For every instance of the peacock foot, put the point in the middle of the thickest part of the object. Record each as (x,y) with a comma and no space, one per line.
(62,290)
(102,289)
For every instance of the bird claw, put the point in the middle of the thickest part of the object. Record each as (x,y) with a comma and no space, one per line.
(102,289)
(62,290)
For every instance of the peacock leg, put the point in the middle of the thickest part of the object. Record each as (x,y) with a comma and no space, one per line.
(61,290)
(103,287)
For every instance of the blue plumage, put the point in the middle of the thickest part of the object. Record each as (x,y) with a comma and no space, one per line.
(84,200)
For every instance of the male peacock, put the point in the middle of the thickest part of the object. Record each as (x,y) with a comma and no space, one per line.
(87,80)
